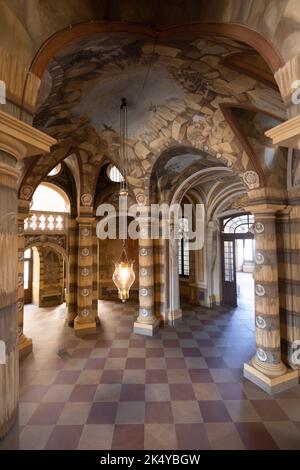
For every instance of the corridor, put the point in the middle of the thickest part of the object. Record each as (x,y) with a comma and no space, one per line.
(182,389)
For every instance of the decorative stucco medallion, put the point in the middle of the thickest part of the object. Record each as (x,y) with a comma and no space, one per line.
(144,312)
(143,252)
(262,356)
(251,179)
(141,199)
(260,290)
(259,258)
(86,199)
(85,252)
(85,272)
(85,312)
(85,232)
(260,322)
(26,192)
(20,281)
(143,272)
(259,227)
(144,292)
(85,292)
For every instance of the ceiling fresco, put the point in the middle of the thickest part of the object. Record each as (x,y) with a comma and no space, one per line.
(174,91)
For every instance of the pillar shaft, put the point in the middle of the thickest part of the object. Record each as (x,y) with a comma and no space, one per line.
(85,321)
(266,368)
(72,271)
(147,321)
(9,358)
(268,353)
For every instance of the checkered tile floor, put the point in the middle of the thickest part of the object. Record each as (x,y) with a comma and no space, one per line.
(182,389)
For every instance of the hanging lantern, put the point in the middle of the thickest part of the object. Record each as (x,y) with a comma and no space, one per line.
(123,275)
(123,278)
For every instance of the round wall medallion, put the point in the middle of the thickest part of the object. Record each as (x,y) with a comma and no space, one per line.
(20,256)
(85,232)
(20,281)
(85,252)
(144,232)
(85,272)
(20,306)
(260,322)
(251,179)
(259,227)
(85,312)
(20,229)
(143,252)
(259,258)
(260,290)
(86,199)
(143,272)
(144,292)
(261,355)
(26,192)
(144,312)
(141,199)
(85,292)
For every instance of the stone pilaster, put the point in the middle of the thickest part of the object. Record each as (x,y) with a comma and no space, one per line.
(266,368)
(24,343)
(85,321)
(147,322)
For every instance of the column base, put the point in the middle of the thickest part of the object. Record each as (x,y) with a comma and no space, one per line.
(175,317)
(271,384)
(83,329)
(146,329)
(25,347)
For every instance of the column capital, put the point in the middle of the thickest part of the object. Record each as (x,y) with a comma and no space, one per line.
(22,140)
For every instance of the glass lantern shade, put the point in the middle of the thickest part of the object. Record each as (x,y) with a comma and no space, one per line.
(123,278)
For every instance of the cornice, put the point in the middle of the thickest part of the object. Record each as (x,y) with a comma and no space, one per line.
(22,140)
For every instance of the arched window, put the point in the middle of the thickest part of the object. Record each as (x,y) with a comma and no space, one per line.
(183,249)
(114,174)
(238,224)
(48,199)
(55,170)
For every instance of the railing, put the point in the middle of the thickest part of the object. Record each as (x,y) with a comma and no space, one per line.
(46,222)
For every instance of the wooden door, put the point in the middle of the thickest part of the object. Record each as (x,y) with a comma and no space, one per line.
(228,272)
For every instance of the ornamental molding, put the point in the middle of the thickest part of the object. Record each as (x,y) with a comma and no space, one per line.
(251,179)
(86,199)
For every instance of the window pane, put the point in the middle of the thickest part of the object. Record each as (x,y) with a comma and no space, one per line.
(248,250)
(27,253)
(228,261)
(26,274)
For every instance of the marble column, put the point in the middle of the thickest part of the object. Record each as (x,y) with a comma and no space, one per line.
(266,369)
(17,141)
(147,322)
(85,322)
(24,343)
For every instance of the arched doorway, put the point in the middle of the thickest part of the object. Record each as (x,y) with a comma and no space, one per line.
(237,260)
